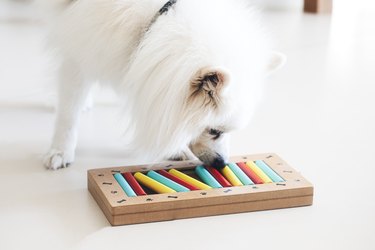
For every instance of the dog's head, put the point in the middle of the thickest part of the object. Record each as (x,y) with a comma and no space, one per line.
(223,105)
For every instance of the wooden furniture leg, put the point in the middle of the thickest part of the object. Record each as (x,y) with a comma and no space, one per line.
(317,6)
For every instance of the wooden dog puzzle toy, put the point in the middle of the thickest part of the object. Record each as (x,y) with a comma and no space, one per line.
(177,190)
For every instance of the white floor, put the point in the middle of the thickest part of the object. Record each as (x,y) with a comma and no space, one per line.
(318,114)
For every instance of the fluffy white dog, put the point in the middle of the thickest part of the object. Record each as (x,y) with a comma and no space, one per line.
(190,72)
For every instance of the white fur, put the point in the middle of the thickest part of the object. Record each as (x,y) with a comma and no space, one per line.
(105,41)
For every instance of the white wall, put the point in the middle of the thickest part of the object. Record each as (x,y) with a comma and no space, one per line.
(279,4)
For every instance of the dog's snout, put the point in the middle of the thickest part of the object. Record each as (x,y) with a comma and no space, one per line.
(214,160)
(211,152)
(218,162)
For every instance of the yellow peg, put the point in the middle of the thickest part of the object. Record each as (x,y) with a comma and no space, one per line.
(152,184)
(189,179)
(259,172)
(231,177)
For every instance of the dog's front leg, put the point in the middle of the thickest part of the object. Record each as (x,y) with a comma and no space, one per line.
(73,92)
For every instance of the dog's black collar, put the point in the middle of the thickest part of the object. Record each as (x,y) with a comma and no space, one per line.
(166,7)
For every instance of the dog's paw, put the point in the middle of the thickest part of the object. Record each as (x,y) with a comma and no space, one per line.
(56,159)
(179,157)
(184,155)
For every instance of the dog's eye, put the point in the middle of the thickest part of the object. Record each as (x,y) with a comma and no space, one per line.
(216,133)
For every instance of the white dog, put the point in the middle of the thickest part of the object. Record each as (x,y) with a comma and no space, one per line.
(190,72)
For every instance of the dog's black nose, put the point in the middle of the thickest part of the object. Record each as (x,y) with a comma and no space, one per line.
(218,163)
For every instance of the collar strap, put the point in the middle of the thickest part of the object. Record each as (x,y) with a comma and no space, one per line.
(166,7)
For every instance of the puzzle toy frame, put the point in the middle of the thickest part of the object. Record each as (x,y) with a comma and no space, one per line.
(120,209)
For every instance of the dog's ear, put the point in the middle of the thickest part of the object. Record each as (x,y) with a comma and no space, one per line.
(207,84)
(277,61)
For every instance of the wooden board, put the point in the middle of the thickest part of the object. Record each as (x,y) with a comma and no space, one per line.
(121,210)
